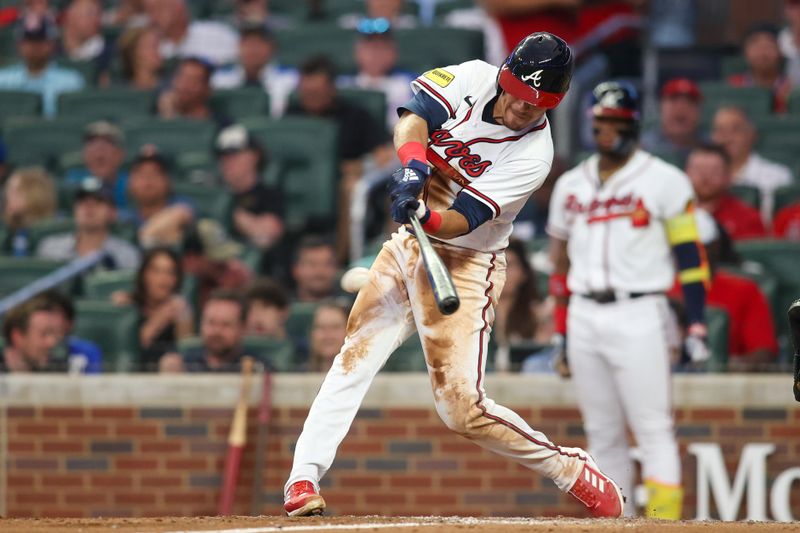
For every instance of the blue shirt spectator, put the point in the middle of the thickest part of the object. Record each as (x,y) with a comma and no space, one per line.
(103,154)
(37,73)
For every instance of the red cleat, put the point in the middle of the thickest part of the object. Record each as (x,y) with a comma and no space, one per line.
(302,499)
(598,492)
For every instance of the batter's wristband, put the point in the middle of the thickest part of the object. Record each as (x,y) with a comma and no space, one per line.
(411,150)
(560,319)
(433,222)
(557,285)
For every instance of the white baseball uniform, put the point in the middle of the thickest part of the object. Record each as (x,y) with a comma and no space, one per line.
(499,168)
(618,351)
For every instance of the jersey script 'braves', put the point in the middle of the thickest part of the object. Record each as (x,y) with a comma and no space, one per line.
(481,173)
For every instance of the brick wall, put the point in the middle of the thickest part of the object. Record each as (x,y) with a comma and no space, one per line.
(146,461)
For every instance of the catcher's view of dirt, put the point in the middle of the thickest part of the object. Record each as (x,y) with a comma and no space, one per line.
(268,524)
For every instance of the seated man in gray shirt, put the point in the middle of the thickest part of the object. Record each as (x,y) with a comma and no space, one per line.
(94,212)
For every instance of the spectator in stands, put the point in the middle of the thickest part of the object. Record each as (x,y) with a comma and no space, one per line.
(752,343)
(29,197)
(328,331)
(764,64)
(164,315)
(81,38)
(679,128)
(523,320)
(267,309)
(182,37)
(786,224)
(376,56)
(161,217)
(737,133)
(142,64)
(258,209)
(189,94)
(212,257)
(256,67)
(222,331)
(103,155)
(31,332)
(789,41)
(38,73)
(314,270)
(709,169)
(94,213)
(391,10)
(247,12)
(84,356)
(358,132)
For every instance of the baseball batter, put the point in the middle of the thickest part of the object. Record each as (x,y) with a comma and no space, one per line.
(616,223)
(474,143)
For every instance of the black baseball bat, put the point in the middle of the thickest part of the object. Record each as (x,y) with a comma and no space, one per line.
(442,284)
(794,330)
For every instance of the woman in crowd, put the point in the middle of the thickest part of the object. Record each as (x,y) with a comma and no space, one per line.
(30,197)
(165,316)
(523,320)
(141,60)
(328,330)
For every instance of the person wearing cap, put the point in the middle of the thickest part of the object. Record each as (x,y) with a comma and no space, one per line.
(94,213)
(789,40)
(733,128)
(679,126)
(256,67)
(161,217)
(709,169)
(764,65)
(37,73)
(391,10)
(258,209)
(376,55)
(752,342)
(103,155)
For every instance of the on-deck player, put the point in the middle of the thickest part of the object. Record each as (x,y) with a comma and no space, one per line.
(616,222)
(488,147)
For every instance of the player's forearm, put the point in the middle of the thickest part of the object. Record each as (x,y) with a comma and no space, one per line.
(560,261)
(410,128)
(453,225)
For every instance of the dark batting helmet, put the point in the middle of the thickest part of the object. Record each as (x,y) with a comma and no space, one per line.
(618,100)
(538,70)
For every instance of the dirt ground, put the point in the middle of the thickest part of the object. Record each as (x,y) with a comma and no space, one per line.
(268,524)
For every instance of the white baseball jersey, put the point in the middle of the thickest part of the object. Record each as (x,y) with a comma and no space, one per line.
(495,165)
(616,230)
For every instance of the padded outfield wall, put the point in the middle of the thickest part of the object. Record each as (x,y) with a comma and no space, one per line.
(147,445)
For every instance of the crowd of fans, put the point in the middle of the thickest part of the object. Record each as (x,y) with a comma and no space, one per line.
(208,289)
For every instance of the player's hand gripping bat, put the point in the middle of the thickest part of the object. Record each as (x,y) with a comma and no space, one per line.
(442,284)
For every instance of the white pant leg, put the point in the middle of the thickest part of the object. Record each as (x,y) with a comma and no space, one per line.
(455,350)
(638,347)
(599,399)
(379,322)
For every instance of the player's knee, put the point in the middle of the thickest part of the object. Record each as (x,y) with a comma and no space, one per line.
(461,419)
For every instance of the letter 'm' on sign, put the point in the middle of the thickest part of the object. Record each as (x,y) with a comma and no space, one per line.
(712,480)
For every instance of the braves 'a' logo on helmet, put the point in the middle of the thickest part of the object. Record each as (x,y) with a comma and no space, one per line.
(535,77)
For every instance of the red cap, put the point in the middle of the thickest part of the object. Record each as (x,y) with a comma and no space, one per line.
(516,88)
(681,87)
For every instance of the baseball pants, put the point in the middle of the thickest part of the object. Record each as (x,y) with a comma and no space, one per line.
(396,300)
(619,357)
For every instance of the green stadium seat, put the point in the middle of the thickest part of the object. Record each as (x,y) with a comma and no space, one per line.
(40,141)
(212,202)
(733,64)
(8,45)
(238,104)
(301,316)
(779,258)
(278,354)
(783,151)
(298,44)
(757,101)
(748,194)
(717,323)
(421,49)
(113,328)
(111,104)
(46,228)
(372,101)
(17,272)
(445,7)
(786,196)
(794,102)
(777,130)
(172,137)
(19,104)
(308,176)
(101,285)
(409,357)
(87,69)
